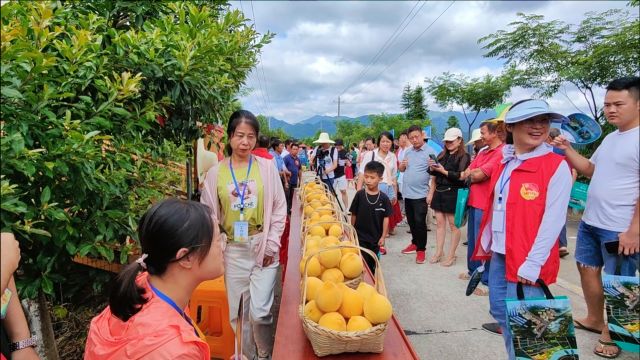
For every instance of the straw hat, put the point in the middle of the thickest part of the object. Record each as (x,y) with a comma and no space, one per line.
(324,139)
(475,136)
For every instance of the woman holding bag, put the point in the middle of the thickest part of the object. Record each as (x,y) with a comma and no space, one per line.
(443,192)
(530,192)
(247,197)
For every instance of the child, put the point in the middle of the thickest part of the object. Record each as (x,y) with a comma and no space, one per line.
(370,211)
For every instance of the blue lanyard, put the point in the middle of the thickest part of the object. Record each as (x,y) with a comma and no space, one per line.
(503,183)
(168,300)
(235,183)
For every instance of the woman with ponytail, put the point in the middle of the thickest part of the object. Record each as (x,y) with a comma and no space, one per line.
(147,316)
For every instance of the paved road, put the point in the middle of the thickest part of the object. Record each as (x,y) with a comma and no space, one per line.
(442,322)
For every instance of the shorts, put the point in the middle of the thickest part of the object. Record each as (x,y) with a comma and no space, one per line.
(591,250)
(340,184)
(387,190)
(445,200)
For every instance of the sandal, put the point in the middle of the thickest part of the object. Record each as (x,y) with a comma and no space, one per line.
(435,259)
(602,344)
(449,262)
(464,276)
(578,325)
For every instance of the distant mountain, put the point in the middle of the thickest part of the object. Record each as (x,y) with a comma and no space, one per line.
(308,127)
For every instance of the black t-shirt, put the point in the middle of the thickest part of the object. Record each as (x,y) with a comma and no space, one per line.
(342,162)
(370,215)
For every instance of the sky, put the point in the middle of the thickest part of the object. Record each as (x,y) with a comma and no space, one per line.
(326,49)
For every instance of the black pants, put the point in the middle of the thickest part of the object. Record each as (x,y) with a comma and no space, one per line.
(416,211)
(289,193)
(371,263)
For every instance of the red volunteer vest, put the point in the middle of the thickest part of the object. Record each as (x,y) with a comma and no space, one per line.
(524,210)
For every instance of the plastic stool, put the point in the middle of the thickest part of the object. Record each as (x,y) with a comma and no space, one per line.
(209,308)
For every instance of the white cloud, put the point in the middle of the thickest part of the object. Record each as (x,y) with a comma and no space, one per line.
(321,47)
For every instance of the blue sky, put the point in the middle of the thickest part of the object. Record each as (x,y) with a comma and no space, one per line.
(321,47)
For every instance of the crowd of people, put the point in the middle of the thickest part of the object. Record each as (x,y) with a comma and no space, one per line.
(519,175)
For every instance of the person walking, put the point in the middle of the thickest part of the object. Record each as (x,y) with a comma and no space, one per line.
(610,226)
(325,159)
(443,193)
(415,187)
(340,175)
(245,193)
(530,192)
(294,166)
(147,316)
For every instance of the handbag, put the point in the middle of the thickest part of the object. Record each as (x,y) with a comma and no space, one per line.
(460,218)
(622,299)
(541,328)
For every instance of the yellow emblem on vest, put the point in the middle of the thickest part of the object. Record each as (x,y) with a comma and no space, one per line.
(529,191)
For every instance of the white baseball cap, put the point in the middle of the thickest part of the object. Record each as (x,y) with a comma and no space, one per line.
(452,134)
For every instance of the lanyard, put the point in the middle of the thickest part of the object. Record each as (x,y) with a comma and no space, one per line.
(503,183)
(168,300)
(235,183)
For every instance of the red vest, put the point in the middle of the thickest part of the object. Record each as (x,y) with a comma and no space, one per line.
(524,210)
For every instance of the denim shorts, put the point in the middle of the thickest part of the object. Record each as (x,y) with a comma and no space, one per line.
(387,190)
(591,250)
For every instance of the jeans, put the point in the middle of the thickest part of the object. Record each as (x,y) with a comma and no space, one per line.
(416,210)
(289,193)
(473,230)
(591,250)
(501,289)
(563,236)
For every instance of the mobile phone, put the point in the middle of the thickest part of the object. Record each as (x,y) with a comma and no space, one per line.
(434,158)
(612,247)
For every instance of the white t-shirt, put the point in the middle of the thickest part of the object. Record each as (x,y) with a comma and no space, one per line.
(615,185)
(328,161)
(390,163)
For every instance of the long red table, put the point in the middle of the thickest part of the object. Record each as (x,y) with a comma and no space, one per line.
(290,340)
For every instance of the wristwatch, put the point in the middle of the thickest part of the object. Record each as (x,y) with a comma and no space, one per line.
(19,345)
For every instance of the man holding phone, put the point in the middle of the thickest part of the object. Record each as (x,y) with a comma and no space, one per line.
(610,226)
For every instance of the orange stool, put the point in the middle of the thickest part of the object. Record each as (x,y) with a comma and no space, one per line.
(209,308)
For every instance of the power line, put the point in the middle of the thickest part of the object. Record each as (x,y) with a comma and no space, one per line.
(263,108)
(387,44)
(264,79)
(413,42)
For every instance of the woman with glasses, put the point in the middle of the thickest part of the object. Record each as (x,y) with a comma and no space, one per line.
(246,195)
(443,192)
(147,316)
(525,212)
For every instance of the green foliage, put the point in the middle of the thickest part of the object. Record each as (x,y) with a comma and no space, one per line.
(413,103)
(352,132)
(473,95)
(546,55)
(85,86)
(452,122)
(266,130)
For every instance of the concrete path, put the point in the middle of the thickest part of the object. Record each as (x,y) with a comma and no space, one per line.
(442,322)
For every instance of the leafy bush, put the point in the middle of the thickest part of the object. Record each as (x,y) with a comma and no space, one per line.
(98,98)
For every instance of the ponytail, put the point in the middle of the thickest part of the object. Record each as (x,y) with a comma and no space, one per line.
(167,227)
(126,297)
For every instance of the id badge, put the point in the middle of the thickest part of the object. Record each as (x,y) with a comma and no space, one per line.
(5,303)
(498,220)
(241,231)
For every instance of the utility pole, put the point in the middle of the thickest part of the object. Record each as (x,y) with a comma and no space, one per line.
(338,107)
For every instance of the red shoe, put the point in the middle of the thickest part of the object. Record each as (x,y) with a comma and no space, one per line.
(410,249)
(420,257)
(383,251)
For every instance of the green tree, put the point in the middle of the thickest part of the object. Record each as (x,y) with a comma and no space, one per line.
(452,122)
(266,130)
(413,103)
(473,95)
(405,101)
(546,55)
(97,98)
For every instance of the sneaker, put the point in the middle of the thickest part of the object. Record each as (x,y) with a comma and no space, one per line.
(493,328)
(410,249)
(383,251)
(420,257)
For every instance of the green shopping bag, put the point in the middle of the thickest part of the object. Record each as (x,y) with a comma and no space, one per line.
(542,328)
(622,298)
(461,207)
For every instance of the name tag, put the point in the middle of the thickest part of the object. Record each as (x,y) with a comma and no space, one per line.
(498,221)
(241,231)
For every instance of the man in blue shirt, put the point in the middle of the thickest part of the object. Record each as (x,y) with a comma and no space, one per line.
(293,165)
(415,187)
(276,150)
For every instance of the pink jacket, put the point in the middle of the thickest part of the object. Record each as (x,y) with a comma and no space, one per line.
(156,332)
(275,205)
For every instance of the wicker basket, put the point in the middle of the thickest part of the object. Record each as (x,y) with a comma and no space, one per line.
(330,342)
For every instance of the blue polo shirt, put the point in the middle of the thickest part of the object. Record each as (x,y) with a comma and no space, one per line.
(415,181)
